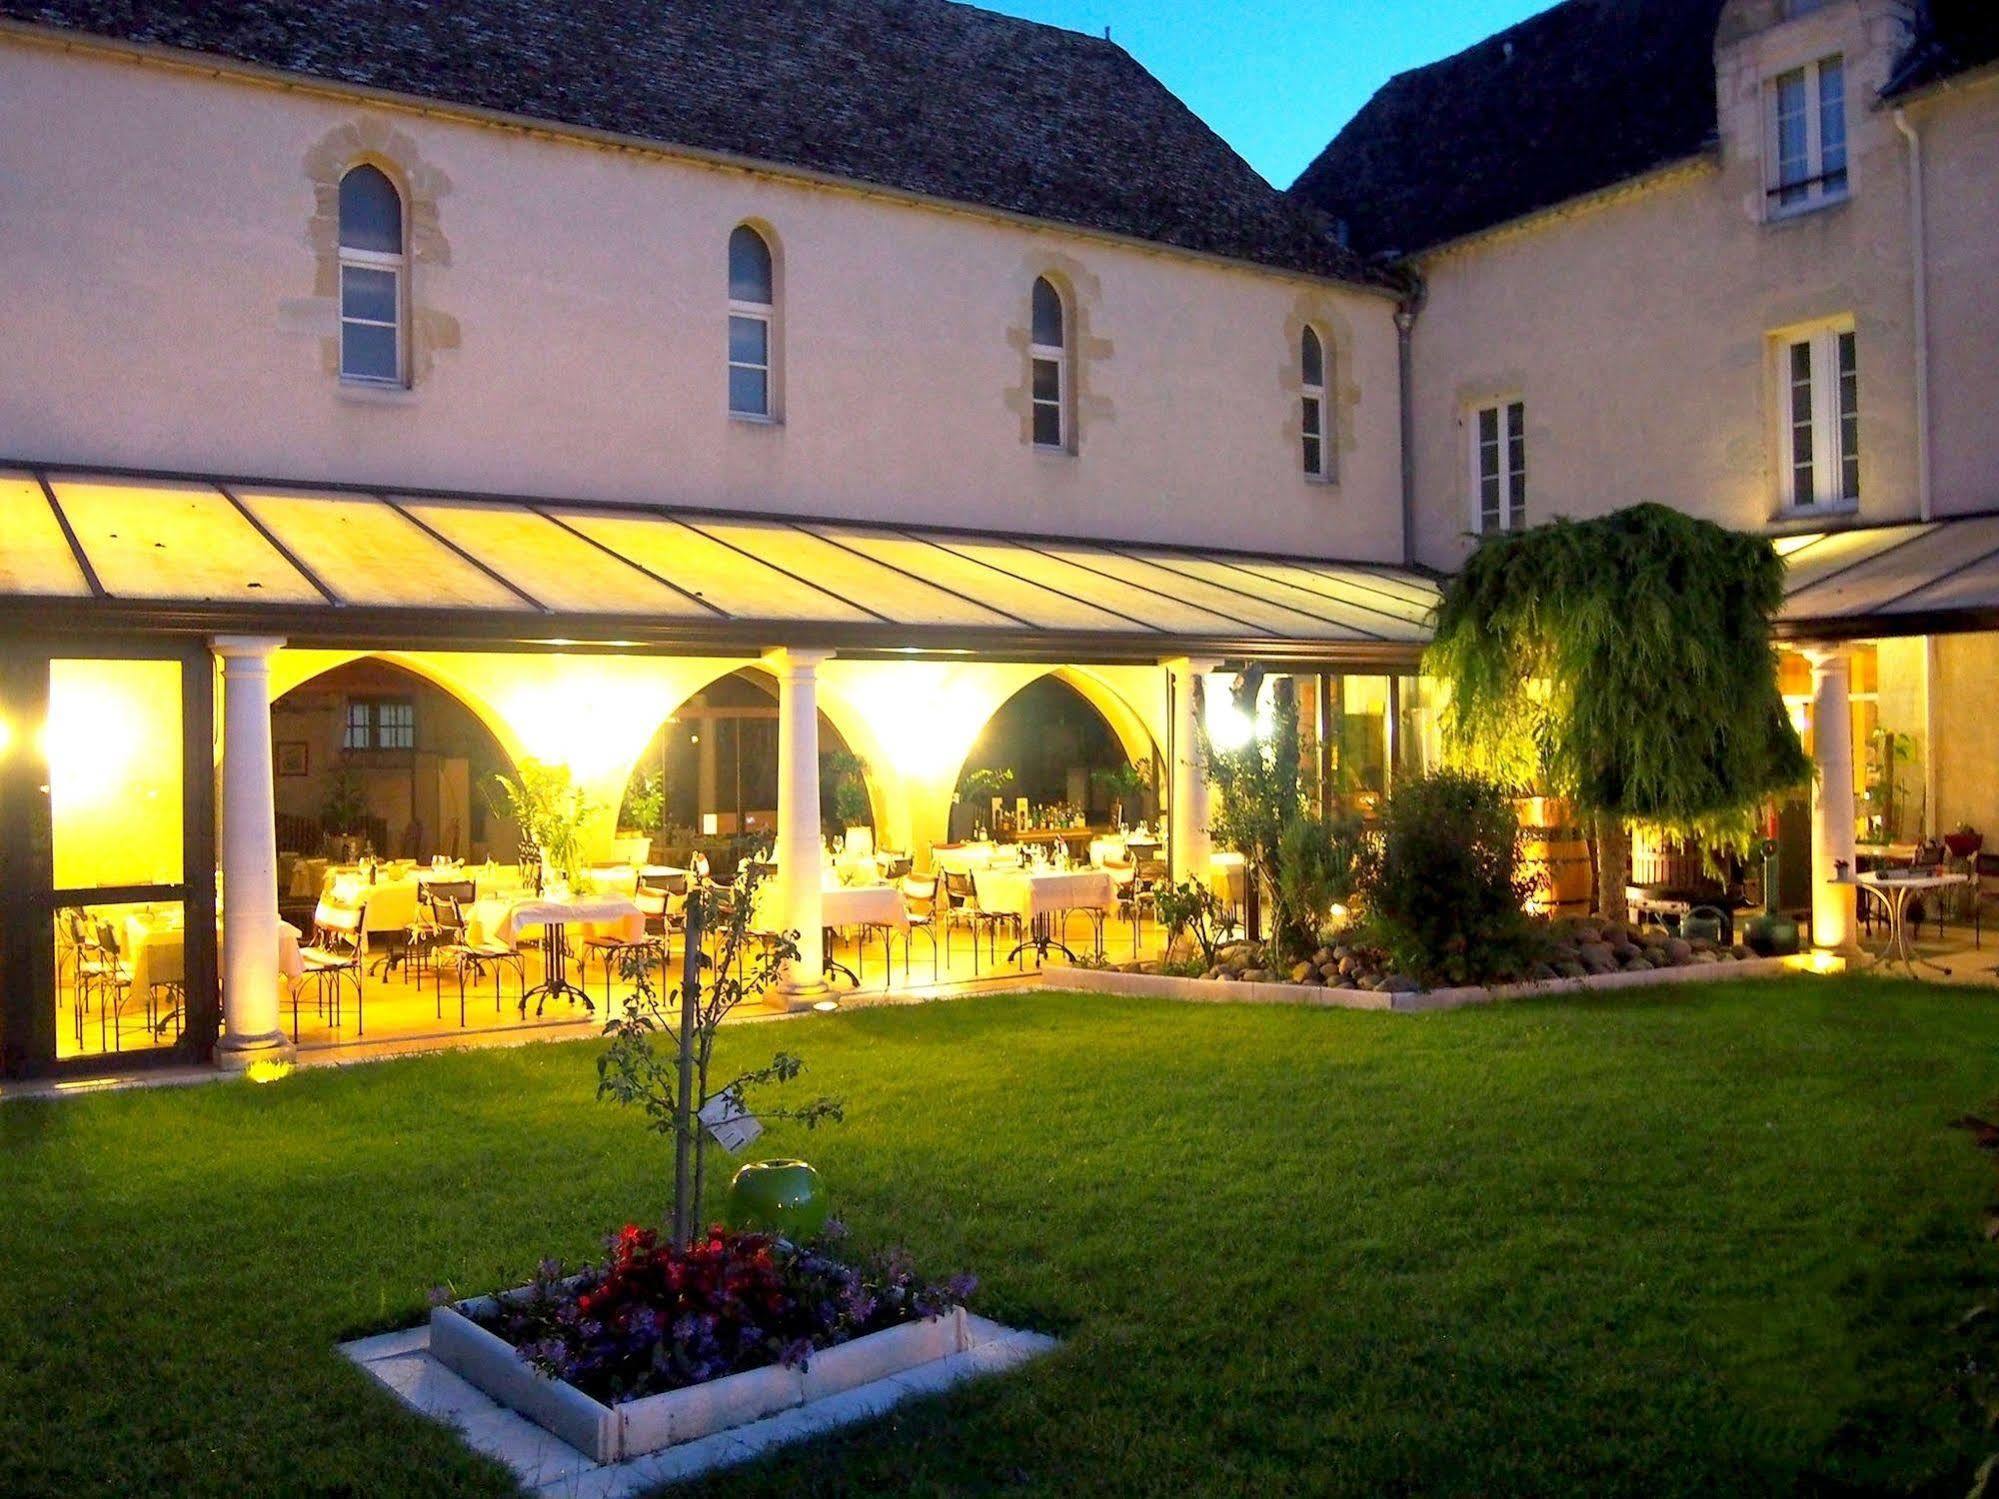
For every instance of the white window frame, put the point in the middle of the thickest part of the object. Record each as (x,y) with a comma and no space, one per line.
(397,266)
(1824,416)
(1313,413)
(765,313)
(1509,414)
(1812,190)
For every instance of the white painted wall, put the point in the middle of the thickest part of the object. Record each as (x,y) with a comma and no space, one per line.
(1638,328)
(154,227)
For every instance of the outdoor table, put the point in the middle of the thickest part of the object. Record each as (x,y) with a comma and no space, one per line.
(965,858)
(1035,897)
(841,905)
(554,916)
(1897,889)
(308,879)
(157,953)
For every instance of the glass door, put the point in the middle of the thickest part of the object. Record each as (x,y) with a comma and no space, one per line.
(107,807)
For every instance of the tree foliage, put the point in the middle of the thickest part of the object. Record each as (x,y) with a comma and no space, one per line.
(1625,663)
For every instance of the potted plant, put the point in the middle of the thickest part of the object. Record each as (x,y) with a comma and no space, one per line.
(550,810)
(1123,787)
(843,791)
(345,809)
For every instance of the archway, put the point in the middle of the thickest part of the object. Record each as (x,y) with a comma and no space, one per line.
(707,778)
(1062,744)
(368,748)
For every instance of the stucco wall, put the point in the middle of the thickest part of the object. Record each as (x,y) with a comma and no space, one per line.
(1638,327)
(1959,128)
(166,307)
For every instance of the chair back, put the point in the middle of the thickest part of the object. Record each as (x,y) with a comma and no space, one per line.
(445,901)
(336,924)
(919,893)
(107,939)
(1986,867)
(651,901)
(958,887)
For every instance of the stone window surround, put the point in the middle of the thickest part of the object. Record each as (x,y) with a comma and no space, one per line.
(1081,293)
(1336,341)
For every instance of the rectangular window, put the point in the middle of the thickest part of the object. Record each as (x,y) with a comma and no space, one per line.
(1315,437)
(749,362)
(1499,467)
(380,724)
(1808,136)
(1821,405)
(370,317)
(1048,401)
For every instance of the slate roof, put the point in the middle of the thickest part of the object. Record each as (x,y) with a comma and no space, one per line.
(921,95)
(1569,101)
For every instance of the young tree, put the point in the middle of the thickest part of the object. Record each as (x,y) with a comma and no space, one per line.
(1625,663)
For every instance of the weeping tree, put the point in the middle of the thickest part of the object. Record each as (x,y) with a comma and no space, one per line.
(1626,664)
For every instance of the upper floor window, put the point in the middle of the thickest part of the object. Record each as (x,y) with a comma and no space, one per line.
(380,723)
(752,325)
(1312,378)
(374,272)
(1499,467)
(1808,135)
(1049,359)
(1820,378)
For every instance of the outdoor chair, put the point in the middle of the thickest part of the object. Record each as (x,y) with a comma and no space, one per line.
(110,979)
(611,950)
(919,898)
(961,909)
(439,924)
(474,957)
(335,955)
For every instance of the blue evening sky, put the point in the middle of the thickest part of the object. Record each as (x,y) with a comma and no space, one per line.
(1277,78)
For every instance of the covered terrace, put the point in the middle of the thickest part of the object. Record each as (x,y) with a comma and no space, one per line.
(152,621)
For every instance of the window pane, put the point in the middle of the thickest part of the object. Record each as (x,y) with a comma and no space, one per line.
(1312,454)
(1791,133)
(371,212)
(368,352)
(367,294)
(1849,417)
(121,977)
(1832,122)
(1047,314)
(1311,417)
(358,734)
(1516,464)
(749,266)
(749,340)
(114,749)
(1047,426)
(1314,360)
(749,392)
(1047,380)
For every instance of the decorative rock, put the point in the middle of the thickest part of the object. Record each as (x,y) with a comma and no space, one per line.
(1616,934)
(1596,958)
(1303,973)
(1398,983)
(1329,971)
(1679,951)
(1572,970)
(1589,931)
(1322,957)
(1637,965)
(1565,952)
(1542,972)
(1256,975)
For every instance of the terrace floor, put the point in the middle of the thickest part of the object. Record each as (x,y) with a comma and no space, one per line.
(1719,1239)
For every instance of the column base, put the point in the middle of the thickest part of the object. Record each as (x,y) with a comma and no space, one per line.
(799,994)
(240,1053)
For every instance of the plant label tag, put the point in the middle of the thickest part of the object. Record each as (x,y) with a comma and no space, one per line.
(729,1124)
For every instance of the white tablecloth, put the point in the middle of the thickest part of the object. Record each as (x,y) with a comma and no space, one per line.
(858,905)
(158,954)
(1026,894)
(505,919)
(965,858)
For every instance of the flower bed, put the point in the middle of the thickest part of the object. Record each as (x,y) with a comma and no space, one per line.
(1567,947)
(662,1343)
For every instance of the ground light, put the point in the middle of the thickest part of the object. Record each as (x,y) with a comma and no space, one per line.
(268,1070)
(1816,962)
(827,1006)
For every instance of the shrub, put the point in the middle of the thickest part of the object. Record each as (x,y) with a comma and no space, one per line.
(1444,889)
(1319,865)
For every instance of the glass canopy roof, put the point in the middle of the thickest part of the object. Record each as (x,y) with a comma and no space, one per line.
(1889,576)
(216,551)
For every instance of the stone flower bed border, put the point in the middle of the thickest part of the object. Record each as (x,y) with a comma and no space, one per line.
(612,1433)
(1410,1001)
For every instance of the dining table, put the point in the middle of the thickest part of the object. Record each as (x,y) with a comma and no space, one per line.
(1037,896)
(1897,890)
(504,918)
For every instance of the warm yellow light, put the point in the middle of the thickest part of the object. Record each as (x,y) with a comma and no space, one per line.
(268,1070)
(1816,962)
(827,1006)
(6,737)
(1229,728)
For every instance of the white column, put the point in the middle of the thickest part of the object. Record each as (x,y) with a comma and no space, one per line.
(1832,799)
(251,1027)
(798,834)
(1187,840)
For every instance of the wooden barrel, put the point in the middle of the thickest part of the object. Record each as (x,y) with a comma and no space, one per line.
(1557,861)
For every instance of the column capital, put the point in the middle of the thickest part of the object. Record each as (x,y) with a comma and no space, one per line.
(1192,665)
(796,661)
(246,647)
(1825,655)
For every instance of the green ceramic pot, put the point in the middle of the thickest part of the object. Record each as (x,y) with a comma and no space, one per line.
(1771,935)
(780,1197)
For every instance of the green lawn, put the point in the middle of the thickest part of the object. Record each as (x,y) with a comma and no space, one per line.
(1647,1245)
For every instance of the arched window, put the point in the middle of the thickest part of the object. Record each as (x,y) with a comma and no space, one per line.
(1050,371)
(1312,379)
(374,271)
(752,325)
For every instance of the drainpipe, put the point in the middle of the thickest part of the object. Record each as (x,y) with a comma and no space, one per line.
(1919,256)
(1405,328)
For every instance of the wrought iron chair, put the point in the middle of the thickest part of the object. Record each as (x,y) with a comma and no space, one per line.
(612,950)
(338,948)
(470,955)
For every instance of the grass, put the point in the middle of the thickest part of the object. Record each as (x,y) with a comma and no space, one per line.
(1648,1245)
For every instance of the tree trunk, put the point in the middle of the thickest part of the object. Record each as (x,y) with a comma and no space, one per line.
(685,1139)
(1613,867)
